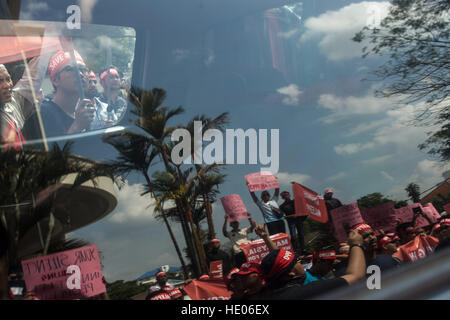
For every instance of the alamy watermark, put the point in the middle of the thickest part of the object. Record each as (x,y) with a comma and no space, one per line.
(234,139)
(74,19)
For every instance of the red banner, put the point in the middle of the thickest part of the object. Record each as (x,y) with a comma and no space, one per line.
(308,202)
(418,248)
(215,269)
(210,289)
(256,250)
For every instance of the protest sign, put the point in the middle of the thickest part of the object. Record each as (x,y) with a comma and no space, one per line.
(259,181)
(71,274)
(418,248)
(308,202)
(256,250)
(381,217)
(447,208)
(215,269)
(210,289)
(234,207)
(345,217)
(406,214)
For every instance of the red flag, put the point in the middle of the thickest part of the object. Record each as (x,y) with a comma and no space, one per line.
(418,248)
(210,289)
(308,202)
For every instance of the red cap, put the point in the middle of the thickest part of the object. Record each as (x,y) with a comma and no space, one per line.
(362,227)
(204,277)
(328,190)
(161,273)
(249,267)
(214,240)
(229,276)
(92,75)
(281,262)
(327,255)
(104,74)
(61,59)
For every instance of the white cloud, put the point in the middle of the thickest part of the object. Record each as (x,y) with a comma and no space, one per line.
(344,107)
(377,160)
(285,178)
(337,176)
(335,29)
(352,148)
(387,175)
(292,94)
(33,9)
(132,207)
(428,173)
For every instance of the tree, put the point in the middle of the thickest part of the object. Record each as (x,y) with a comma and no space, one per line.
(371,200)
(415,38)
(413,191)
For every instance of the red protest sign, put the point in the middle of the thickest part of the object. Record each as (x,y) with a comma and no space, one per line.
(418,248)
(308,202)
(210,289)
(381,217)
(259,181)
(256,250)
(234,207)
(71,274)
(215,269)
(345,216)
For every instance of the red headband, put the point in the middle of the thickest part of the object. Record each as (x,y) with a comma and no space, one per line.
(175,293)
(330,254)
(384,240)
(445,222)
(204,277)
(362,227)
(160,274)
(248,268)
(92,75)
(112,71)
(436,227)
(61,59)
(284,258)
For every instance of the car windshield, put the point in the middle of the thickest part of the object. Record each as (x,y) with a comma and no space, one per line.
(135,135)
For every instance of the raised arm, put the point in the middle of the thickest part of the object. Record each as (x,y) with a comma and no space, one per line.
(262,233)
(252,223)
(255,199)
(356,269)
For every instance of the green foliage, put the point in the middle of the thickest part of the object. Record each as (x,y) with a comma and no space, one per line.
(440,201)
(120,290)
(413,191)
(371,200)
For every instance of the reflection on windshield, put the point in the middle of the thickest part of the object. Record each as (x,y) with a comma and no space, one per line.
(55,84)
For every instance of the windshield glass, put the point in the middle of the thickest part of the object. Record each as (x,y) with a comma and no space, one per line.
(155,134)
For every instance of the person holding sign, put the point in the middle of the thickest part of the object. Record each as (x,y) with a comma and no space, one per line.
(270,211)
(216,254)
(238,236)
(295,223)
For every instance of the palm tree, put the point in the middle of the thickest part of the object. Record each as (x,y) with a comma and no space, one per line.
(136,153)
(29,174)
(217,123)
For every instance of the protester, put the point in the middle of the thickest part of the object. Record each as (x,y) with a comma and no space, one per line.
(387,246)
(216,254)
(65,113)
(111,83)
(160,291)
(238,236)
(280,265)
(405,232)
(271,212)
(444,234)
(322,266)
(295,223)
(11,114)
(384,261)
(330,202)
(250,278)
(102,118)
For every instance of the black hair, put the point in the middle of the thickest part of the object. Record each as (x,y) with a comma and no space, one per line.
(403,226)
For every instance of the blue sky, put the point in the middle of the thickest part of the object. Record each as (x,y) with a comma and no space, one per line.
(333,131)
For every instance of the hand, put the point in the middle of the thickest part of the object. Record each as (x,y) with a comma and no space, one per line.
(261,231)
(354,238)
(84,114)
